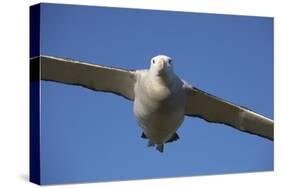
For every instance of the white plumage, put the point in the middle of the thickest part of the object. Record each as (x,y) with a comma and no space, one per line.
(161,98)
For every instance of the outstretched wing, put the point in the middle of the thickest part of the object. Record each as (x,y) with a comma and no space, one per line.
(95,77)
(213,109)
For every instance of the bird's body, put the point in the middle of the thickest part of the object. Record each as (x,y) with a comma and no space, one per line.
(159,106)
(161,99)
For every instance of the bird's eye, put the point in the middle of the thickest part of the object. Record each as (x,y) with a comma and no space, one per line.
(153,61)
(170,61)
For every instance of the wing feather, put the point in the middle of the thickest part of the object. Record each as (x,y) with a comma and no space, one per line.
(213,109)
(91,76)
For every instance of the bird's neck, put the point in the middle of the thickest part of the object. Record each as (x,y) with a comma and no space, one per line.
(162,81)
(160,88)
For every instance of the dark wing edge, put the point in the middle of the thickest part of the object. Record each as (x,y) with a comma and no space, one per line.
(213,109)
(91,76)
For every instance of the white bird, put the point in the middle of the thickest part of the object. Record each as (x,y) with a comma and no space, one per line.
(161,99)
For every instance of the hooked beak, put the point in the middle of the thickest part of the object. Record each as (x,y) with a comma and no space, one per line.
(162,64)
(162,67)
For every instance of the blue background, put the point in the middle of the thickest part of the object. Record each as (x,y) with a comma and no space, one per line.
(93,136)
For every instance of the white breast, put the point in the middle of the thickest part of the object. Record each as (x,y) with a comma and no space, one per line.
(159,110)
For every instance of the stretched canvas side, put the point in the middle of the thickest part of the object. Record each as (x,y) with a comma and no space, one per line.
(34,67)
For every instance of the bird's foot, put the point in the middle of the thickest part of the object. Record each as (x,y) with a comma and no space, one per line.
(143,136)
(150,144)
(173,138)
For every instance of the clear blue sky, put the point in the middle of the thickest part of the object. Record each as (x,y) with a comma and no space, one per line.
(93,136)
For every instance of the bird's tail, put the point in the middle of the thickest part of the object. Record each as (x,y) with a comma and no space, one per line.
(160,147)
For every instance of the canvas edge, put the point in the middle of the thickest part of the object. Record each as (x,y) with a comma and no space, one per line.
(34,95)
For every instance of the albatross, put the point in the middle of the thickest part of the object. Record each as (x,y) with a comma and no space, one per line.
(161,99)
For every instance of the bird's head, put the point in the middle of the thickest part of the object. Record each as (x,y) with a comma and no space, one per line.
(161,65)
